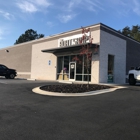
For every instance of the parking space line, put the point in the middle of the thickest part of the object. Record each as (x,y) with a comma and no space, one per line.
(3,83)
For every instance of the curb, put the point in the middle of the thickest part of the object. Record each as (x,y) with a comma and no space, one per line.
(31,79)
(42,92)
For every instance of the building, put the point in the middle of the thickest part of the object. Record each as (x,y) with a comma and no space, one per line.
(51,58)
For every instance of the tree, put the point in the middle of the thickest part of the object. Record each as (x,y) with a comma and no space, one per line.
(126,31)
(134,32)
(29,35)
(86,51)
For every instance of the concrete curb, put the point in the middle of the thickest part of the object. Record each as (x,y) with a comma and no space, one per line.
(42,92)
(31,79)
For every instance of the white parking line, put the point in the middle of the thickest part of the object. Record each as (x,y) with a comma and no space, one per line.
(3,82)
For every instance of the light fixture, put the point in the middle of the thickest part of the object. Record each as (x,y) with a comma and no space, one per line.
(6,50)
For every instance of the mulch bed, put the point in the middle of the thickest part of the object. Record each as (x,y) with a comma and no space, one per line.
(74,88)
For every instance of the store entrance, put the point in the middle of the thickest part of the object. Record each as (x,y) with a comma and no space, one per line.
(72,71)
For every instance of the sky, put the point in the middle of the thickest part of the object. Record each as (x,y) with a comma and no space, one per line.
(51,17)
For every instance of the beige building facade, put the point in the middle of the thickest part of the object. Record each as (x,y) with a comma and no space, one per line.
(52,58)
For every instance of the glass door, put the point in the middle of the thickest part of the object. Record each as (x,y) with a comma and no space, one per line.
(72,71)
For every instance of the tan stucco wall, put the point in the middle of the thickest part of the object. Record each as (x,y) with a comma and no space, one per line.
(19,58)
(40,68)
(95,58)
(30,62)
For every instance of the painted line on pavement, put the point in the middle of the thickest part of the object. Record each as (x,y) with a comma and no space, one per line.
(3,83)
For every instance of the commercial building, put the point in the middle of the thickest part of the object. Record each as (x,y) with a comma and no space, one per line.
(52,57)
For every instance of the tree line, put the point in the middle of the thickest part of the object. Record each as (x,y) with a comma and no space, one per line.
(29,35)
(133,32)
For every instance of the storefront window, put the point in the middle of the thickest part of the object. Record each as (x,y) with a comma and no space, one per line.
(79,64)
(79,77)
(110,68)
(72,58)
(66,68)
(59,64)
(60,68)
(87,65)
(81,73)
(87,77)
(60,76)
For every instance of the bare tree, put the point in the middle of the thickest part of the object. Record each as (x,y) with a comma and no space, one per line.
(85,50)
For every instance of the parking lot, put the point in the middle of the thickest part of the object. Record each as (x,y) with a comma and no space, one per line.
(25,115)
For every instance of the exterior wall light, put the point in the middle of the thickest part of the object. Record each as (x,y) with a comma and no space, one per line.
(7,51)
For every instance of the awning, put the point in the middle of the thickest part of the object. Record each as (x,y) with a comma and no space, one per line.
(68,48)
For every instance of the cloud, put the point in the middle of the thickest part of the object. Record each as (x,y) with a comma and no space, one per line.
(65,18)
(50,24)
(43,3)
(94,5)
(136,7)
(73,4)
(26,6)
(76,7)
(5,30)
(32,6)
(1,35)
(125,7)
(6,15)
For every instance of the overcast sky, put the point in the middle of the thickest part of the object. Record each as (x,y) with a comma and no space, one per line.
(55,16)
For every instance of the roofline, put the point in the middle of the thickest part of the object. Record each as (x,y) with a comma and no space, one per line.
(117,32)
(59,34)
(47,37)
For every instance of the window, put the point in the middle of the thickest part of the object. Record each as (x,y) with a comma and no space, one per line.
(87,66)
(110,68)
(82,74)
(66,64)
(59,64)
(2,67)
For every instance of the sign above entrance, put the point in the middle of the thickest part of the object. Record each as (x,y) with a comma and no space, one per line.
(74,40)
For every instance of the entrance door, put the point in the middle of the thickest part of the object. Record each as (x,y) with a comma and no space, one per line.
(72,71)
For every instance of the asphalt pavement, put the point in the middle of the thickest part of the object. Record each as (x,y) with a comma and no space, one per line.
(25,115)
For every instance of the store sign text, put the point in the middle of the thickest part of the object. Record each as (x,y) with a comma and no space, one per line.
(74,40)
